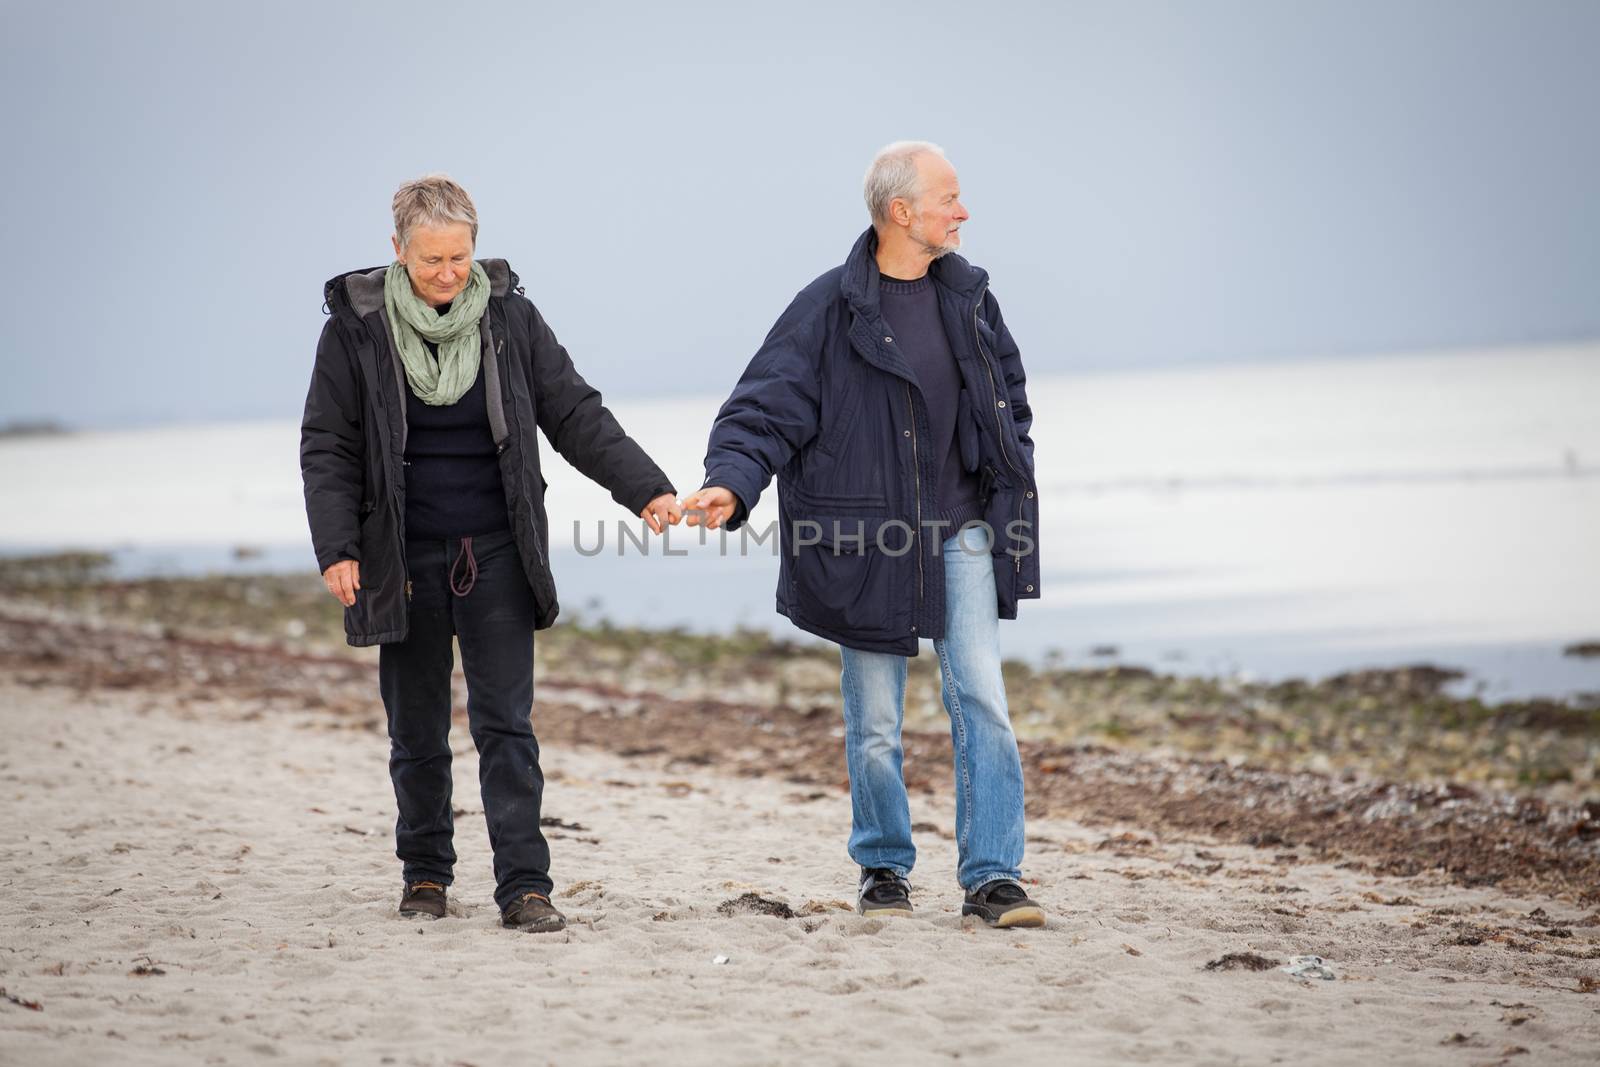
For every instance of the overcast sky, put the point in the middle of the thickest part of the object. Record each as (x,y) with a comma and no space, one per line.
(1150,184)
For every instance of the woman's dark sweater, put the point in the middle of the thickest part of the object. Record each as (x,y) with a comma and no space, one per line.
(453,486)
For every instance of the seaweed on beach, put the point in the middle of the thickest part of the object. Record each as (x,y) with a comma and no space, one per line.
(23,1002)
(1241,961)
(1379,769)
(56,572)
(755,904)
(1401,724)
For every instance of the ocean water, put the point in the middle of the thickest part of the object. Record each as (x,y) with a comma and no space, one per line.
(1258,519)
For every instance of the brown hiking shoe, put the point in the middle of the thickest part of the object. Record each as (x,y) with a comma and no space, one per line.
(534,913)
(423,899)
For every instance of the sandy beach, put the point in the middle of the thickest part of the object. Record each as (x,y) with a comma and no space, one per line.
(200,870)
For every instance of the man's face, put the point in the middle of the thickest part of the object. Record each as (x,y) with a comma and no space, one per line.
(439,260)
(936,222)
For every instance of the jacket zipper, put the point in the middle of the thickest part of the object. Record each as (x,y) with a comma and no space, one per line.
(994,395)
(516,418)
(916,481)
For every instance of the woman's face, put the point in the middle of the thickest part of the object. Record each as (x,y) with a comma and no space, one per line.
(439,260)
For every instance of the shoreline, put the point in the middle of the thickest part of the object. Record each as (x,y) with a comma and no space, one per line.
(49,576)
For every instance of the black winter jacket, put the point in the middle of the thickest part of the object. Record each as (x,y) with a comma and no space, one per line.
(832,408)
(353,441)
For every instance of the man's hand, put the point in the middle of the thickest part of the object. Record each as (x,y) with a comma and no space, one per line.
(711,507)
(662,512)
(342,580)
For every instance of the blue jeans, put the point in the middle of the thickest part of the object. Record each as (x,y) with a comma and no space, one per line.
(988,771)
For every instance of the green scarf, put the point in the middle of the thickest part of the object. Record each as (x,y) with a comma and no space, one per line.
(444,380)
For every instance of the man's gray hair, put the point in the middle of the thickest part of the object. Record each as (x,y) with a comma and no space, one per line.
(893,174)
(432,200)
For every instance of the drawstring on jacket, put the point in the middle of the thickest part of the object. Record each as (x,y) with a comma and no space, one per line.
(463,586)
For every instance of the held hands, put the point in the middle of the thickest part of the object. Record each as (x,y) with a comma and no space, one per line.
(662,512)
(711,507)
(342,580)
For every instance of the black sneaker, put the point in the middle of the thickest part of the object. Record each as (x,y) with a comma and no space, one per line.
(1003,903)
(423,900)
(534,913)
(883,892)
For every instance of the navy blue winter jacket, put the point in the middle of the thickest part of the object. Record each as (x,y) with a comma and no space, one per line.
(832,408)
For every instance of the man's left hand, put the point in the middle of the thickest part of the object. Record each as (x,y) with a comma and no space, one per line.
(662,512)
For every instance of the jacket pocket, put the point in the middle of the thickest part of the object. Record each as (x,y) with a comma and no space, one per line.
(379,613)
(378,546)
(847,573)
(845,507)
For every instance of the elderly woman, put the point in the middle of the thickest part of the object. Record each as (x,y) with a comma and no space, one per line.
(423,490)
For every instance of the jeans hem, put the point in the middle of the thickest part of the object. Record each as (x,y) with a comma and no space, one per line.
(903,872)
(990,879)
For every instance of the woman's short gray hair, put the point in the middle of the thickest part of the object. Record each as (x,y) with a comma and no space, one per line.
(893,175)
(432,200)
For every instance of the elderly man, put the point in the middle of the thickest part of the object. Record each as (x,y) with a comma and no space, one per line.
(889,399)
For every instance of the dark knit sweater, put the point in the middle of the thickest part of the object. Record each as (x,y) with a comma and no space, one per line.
(453,486)
(912,311)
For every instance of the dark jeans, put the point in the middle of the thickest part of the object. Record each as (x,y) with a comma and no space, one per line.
(494,624)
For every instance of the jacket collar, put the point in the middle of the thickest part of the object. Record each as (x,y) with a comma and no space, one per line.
(359,293)
(860,278)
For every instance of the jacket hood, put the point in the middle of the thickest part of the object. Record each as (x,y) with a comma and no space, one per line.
(860,278)
(358,293)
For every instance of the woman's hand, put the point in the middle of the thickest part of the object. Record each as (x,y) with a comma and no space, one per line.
(342,580)
(717,503)
(662,512)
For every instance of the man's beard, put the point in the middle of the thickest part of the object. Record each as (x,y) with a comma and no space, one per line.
(933,251)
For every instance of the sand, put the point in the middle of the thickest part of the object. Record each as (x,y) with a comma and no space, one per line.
(214,882)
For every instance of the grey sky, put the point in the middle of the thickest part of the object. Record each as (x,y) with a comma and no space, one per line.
(1149,183)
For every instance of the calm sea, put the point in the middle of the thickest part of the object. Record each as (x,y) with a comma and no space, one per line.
(1265,520)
